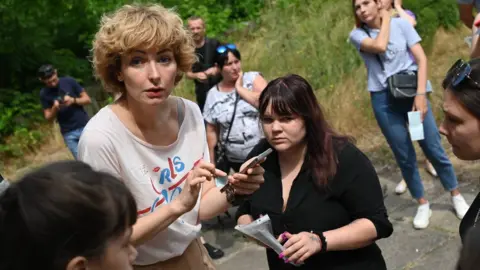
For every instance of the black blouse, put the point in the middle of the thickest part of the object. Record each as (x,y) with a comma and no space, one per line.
(470,218)
(354,193)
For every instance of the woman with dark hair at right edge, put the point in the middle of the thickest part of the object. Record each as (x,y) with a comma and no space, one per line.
(321,193)
(386,45)
(461,126)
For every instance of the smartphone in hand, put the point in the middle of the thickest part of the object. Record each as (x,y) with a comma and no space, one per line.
(257,160)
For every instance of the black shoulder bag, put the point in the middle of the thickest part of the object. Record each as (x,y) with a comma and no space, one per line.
(401,85)
(221,161)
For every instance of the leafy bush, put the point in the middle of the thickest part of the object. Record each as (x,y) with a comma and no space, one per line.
(307,37)
(60,32)
(433,14)
(310,38)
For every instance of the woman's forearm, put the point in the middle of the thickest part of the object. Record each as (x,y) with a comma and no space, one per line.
(422,75)
(249,96)
(475,49)
(404,15)
(360,233)
(212,139)
(147,227)
(384,34)
(212,204)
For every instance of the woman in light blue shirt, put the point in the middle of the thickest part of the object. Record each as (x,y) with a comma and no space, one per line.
(378,37)
(396,9)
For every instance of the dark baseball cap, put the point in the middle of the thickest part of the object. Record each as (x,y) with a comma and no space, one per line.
(45,71)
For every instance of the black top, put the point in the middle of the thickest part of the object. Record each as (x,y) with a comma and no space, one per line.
(469,219)
(354,193)
(206,59)
(69,118)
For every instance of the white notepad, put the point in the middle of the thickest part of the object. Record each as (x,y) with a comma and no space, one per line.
(261,230)
(415,126)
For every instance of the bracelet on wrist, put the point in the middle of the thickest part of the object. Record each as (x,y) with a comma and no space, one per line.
(322,240)
(232,198)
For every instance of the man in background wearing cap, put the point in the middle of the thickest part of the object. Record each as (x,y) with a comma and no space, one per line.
(63,99)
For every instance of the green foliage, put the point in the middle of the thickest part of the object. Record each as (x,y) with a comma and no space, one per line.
(304,37)
(60,32)
(20,118)
(309,38)
(432,14)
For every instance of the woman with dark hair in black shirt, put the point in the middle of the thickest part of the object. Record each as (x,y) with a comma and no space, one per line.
(321,193)
(461,126)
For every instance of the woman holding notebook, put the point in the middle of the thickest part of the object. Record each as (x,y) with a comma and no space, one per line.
(398,85)
(321,193)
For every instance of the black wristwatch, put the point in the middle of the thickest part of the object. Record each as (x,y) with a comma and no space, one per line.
(323,240)
(232,198)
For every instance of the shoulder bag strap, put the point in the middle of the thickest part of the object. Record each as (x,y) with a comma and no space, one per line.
(233,115)
(376,55)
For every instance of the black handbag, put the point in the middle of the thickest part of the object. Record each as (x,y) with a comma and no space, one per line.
(221,161)
(401,85)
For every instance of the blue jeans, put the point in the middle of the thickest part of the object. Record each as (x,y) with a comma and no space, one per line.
(71,139)
(391,115)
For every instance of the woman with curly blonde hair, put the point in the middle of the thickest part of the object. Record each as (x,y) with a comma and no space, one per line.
(155,142)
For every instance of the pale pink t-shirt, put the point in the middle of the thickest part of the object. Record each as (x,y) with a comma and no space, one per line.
(154,174)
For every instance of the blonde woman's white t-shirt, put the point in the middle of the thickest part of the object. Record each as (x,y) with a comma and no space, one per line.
(154,174)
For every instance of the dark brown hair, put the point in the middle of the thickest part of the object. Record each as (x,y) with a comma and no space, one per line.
(222,58)
(61,211)
(467,91)
(292,95)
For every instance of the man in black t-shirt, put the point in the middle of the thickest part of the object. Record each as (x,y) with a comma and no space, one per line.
(205,75)
(63,99)
(204,72)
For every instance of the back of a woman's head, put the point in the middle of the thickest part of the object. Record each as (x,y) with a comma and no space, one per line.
(292,95)
(470,256)
(61,211)
(467,91)
(139,26)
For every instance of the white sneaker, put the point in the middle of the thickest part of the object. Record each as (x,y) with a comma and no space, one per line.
(401,187)
(430,169)
(460,205)
(422,218)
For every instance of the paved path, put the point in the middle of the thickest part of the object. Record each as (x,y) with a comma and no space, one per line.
(436,247)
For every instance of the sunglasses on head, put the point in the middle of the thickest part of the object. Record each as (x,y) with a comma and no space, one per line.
(224,48)
(458,73)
